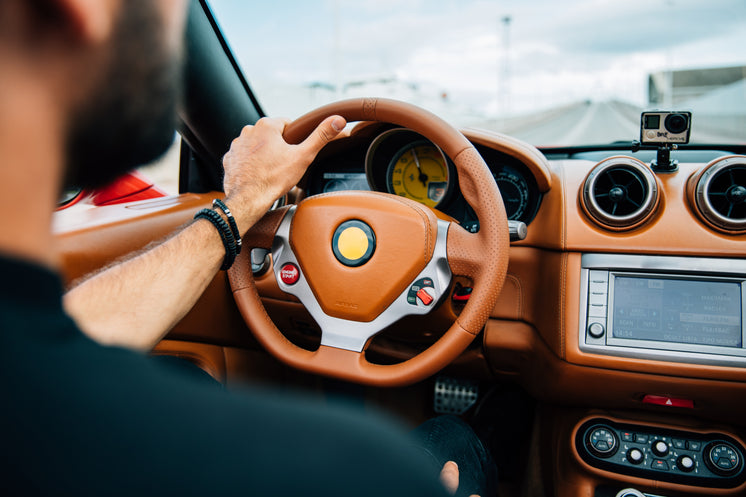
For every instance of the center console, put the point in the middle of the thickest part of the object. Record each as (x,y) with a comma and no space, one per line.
(679,309)
(712,460)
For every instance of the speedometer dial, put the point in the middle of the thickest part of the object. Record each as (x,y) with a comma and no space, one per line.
(514,190)
(419,171)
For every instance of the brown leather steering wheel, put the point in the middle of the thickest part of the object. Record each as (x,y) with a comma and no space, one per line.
(409,251)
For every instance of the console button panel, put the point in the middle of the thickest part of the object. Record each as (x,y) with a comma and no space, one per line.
(713,459)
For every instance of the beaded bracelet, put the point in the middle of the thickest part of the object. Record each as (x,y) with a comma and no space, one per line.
(229,242)
(231,221)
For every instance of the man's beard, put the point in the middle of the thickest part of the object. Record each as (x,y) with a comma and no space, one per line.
(129,119)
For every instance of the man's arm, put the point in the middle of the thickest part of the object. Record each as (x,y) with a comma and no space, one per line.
(135,303)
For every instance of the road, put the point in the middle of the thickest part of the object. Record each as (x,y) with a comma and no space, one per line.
(597,123)
(579,124)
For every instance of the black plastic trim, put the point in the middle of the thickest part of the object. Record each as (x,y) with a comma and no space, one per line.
(231,57)
(625,148)
(217,102)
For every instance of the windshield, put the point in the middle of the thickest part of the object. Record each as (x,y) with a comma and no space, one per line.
(574,72)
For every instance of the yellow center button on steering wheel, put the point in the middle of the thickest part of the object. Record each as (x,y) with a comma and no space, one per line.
(354,243)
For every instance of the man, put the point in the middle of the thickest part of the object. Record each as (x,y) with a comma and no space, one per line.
(88,89)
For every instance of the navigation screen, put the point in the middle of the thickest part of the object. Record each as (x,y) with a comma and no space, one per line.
(680,311)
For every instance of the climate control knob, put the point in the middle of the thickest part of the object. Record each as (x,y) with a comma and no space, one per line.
(660,448)
(601,441)
(722,458)
(635,456)
(685,463)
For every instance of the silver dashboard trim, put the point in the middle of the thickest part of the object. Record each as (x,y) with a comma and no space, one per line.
(699,265)
(647,204)
(702,193)
(353,335)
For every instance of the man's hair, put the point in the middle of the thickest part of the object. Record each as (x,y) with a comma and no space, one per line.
(130,118)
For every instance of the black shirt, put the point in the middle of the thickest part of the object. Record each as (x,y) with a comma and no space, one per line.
(82,419)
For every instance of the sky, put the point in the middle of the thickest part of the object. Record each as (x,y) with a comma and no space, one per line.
(465,54)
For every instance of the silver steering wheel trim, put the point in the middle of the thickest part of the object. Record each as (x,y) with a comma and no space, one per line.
(353,335)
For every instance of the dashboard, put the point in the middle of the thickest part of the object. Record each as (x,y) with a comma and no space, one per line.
(683,230)
(623,311)
(402,162)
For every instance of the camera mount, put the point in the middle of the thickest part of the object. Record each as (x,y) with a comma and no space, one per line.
(662,162)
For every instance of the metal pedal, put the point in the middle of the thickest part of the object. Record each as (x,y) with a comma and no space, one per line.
(454,396)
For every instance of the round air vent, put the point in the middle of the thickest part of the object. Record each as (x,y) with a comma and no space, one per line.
(620,193)
(720,194)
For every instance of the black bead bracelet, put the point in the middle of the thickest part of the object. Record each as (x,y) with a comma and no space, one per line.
(231,221)
(226,235)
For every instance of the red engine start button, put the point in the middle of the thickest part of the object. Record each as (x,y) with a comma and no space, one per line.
(289,274)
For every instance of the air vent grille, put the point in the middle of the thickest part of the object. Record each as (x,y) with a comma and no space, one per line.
(721,194)
(620,193)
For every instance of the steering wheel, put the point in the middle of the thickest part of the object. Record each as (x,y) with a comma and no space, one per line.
(359,261)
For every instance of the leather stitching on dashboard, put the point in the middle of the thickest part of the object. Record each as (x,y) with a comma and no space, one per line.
(563,220)
(561,313)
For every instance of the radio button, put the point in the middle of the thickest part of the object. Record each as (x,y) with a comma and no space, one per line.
(641,438)
(597,311)
(596,287)
(597,299)
(599,276)
(596,330)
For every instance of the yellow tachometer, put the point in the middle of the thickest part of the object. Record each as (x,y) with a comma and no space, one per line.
(420,172)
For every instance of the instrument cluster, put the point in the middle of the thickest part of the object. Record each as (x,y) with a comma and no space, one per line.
(402,162)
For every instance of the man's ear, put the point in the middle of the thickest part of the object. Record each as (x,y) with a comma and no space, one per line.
(90,20)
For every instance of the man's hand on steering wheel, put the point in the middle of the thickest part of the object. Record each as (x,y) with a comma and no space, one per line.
(261,166)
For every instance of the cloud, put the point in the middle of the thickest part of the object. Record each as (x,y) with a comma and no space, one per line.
(612,27)
(552,51)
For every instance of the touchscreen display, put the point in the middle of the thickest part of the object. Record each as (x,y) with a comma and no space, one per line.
(681,311)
